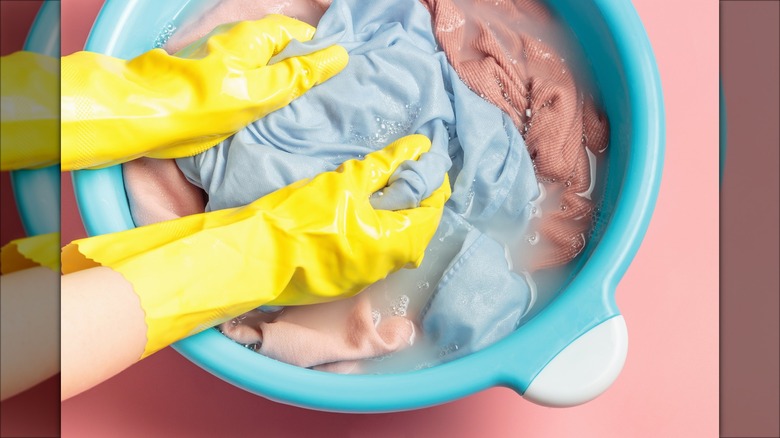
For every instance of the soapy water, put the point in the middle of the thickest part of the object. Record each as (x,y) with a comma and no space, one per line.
(386,130)
(406,292)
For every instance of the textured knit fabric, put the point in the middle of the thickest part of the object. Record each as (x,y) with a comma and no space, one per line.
(506,51)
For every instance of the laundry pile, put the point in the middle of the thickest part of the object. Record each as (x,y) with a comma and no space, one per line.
(508,124)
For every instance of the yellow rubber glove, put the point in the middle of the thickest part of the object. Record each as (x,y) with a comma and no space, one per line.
(164,106)
(30,119)
(28,252)
(313,241)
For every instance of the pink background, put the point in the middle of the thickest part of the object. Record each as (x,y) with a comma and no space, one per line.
(669,297)
(35,412)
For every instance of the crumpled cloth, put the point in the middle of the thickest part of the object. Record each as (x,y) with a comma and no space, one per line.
(332,337)
(507,52)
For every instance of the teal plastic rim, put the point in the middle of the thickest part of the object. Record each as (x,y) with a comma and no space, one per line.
(625,73)
(37,191)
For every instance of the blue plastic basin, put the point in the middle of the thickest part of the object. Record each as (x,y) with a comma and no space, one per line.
(625,74)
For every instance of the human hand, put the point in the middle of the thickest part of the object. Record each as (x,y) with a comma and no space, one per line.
(168,106)
(313,241)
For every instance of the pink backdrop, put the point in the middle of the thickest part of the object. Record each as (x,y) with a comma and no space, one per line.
(669,297)
(34,412)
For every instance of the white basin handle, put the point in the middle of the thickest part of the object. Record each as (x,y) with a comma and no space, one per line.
(584,369)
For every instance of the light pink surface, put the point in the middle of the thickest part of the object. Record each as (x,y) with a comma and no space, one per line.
(669,297)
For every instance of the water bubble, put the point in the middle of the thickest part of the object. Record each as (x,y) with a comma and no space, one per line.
(451,348)
(469,202)
(564,207)
(400,306)
(567,183)
(422,285)
(164,35)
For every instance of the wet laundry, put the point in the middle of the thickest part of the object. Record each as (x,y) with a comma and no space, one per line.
(517,68)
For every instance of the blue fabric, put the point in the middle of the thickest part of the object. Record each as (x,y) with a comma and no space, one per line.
(479,299)
(397,83)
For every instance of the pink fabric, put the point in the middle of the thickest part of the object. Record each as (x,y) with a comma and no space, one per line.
(500,50)
(158,191)
(328,337)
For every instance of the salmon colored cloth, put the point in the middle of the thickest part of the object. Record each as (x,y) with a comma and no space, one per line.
(500,49)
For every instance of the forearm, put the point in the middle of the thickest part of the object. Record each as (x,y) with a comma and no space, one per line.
(103,328)
(30,327)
